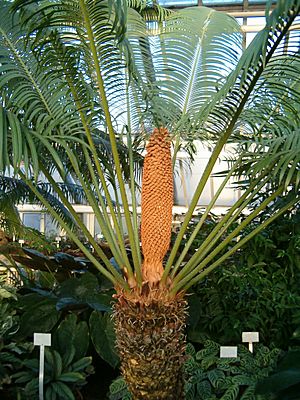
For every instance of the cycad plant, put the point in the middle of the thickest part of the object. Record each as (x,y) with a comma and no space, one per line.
(76,73)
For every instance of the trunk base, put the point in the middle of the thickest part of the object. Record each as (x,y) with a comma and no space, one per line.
(151,342)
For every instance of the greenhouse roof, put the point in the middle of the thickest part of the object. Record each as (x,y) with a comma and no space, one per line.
(187,3)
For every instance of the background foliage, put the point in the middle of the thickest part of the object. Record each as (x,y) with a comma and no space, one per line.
(258,290)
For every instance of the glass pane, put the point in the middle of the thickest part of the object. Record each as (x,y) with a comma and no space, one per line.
(221,2)
(32,220)
(97,231)
(179,3)
(249,37)
(256,21)
(51,229)
(259,1)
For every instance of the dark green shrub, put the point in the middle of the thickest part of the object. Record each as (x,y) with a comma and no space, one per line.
(257,290)
(284,383)
(76,313)
(209,377)
(66,366)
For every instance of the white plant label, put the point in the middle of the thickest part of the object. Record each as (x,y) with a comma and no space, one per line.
(250,337)
(228,351)
(42,340)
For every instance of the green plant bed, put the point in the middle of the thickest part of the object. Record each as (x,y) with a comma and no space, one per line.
(76,313)
(209,377)
(66,364)
(257,290)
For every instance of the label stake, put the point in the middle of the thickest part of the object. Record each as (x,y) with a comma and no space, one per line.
(250,338)
(42,340)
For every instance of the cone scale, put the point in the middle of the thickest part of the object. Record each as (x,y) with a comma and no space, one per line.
(157,203)
(149,323)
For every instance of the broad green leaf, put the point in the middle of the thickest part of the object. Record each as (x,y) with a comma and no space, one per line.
(58,366)
(50,393)
(103,337)
(31,388)
(63,391)
(216,377)
(204,389)
(81,364)
(231,393)
(71,377)
(63,337)
(81,340)
(39,317)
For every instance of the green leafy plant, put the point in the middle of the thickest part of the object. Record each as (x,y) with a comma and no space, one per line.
(11,352)
(258,290)
(66,366)
(118,390)
(60,265)
(41,308)
(12,356)
(284,383)
(66,311)
(210,377)
(6,291)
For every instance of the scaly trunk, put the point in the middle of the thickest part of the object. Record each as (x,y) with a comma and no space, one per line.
(151,342)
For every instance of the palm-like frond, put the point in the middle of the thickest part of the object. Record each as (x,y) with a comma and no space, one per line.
(150,10)
(281,153)
(268,128)
(182,63)
(12,225)
(110,80)
(232,96)
(74,129)
(88,27)
(35,106)
(273,107)
(37,98)
(221,114)
(14,191)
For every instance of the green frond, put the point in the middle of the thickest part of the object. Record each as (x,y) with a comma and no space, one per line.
(14,191)
(12,225)
(233,95)
(107,20)
(281,153)
(181,62)
(21,80)
(220,115)
(150,10)
(273,107)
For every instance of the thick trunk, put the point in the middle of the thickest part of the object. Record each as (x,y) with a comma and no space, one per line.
(151,343)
